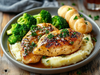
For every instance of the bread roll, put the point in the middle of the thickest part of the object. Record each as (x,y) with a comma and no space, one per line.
(76,22)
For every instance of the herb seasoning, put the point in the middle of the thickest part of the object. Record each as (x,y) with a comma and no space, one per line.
(75,17)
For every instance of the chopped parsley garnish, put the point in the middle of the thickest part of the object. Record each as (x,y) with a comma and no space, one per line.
(81,15)
(50,66)
(74,33)
(44,27)
(33,27)
(71,42)
(40,29)
(26,53)
(86,38)
(44,57)
(30,49)
(60,35)
(96,17)
(69,9)
(47,31)
(25,50)
(81,10)
(75,17)
(47,60)
(62,4)
(84,18)
(50,36)
(94,39)
(73,4)
(33,44)
(86,23)
(90,16)
(33,34)
(64,33)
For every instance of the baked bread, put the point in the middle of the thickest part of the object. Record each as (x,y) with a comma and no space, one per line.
(76,22)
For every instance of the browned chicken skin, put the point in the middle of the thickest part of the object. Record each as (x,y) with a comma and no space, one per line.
(59,42)
(31,39)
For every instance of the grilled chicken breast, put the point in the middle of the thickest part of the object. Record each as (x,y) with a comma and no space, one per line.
(30,40)
(59,42)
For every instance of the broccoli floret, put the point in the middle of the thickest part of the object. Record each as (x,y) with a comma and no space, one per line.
(43,17)
(22,30)
(27,19)
(18,32)
(59,22)
(14,27)
(14,38)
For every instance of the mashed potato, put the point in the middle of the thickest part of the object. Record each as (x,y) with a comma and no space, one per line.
(15,50)
(85,49)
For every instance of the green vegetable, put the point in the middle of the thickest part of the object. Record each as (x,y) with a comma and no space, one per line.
(14,27)
(74,33)
(44,57)
(86,23)
(79,72)
(14,38)
(59,22)
(17,33)
(96,17)
(84,18)
(86,38)
(43,17)
(81,10)
(64,33)
(90,16)
(94,39)
(47,61)
(69,9)
(34,44)
(81,15)
(62,4)
(47,31)
(34,34)
(26,19)
(75,17)
(73,4)
(50,36)
(71,42)
(33,27)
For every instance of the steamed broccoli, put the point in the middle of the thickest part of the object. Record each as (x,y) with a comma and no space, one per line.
(27,19)
(14,38)
(43,17)
(59,22)
(14,27)
(18,32)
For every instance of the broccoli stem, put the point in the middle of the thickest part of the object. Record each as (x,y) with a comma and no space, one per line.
(9,32)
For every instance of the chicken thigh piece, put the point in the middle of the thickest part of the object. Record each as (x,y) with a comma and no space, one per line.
(30,40)
(65,41)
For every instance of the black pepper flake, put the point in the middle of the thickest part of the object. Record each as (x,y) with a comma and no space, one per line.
(39,49)
(48,50)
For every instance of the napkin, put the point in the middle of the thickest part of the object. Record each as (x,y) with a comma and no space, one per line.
(23,5)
